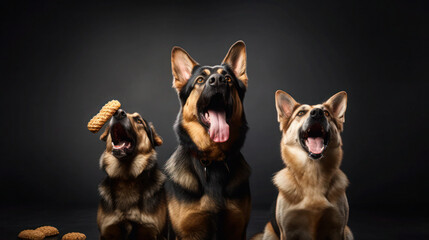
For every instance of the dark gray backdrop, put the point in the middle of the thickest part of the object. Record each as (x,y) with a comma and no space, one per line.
(61,61)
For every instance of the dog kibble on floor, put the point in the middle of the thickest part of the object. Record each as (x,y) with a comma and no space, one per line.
(74,236)
(48,230)
(31,234)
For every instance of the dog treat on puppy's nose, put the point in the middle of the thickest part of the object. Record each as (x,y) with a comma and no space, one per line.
(106,112)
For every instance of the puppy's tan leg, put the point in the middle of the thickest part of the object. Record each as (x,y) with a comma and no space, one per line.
(193,220)
(146,232)
(193,226)
(269,233)
(348,235)
(257,236)
(112,232)
(295,225)
(108,225)
(236,218)
(188,221)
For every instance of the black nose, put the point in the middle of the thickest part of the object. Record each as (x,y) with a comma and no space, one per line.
(217,80)
(316,113)
(120,114)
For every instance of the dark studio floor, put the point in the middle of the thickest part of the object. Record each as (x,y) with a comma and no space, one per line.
(365,225)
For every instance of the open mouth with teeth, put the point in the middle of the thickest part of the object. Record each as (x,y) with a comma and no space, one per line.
(314,140)
(122,141)
(215,116)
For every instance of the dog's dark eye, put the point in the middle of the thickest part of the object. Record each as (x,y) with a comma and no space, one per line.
(200,80)
(139,121)
(300,113)
(228,79)
(326,113)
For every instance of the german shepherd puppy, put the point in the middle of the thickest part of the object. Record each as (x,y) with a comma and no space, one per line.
(133,204)
(208,179)
(312,202)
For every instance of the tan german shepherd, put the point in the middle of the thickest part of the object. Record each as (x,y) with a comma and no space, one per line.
(312,202)
(133,204)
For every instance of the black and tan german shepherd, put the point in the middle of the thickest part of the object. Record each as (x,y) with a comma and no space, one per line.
(312,202)
(133,204)
(208,179)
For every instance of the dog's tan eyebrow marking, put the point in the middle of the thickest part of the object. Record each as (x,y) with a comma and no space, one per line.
(136,116)
(304,107)
(206,71)
(220,71)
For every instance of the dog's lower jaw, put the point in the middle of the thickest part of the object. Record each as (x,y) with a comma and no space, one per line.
(119,154)
(315,156)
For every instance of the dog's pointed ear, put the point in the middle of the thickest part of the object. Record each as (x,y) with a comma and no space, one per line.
(105,134)
(338,105)
(181,65)
(157,140)
(154,138)
(236,59)
(285,105)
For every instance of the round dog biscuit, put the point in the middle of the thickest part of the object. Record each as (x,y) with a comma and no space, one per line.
(31,234)
(106,112)
(74,236)
(48,230)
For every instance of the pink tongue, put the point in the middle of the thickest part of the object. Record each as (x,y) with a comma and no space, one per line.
(219,129)
(315,145)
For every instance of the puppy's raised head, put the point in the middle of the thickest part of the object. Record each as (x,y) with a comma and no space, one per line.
(211,96)
(128,135)
(311,132)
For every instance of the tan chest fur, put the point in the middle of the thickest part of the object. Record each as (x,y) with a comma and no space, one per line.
(305,203)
